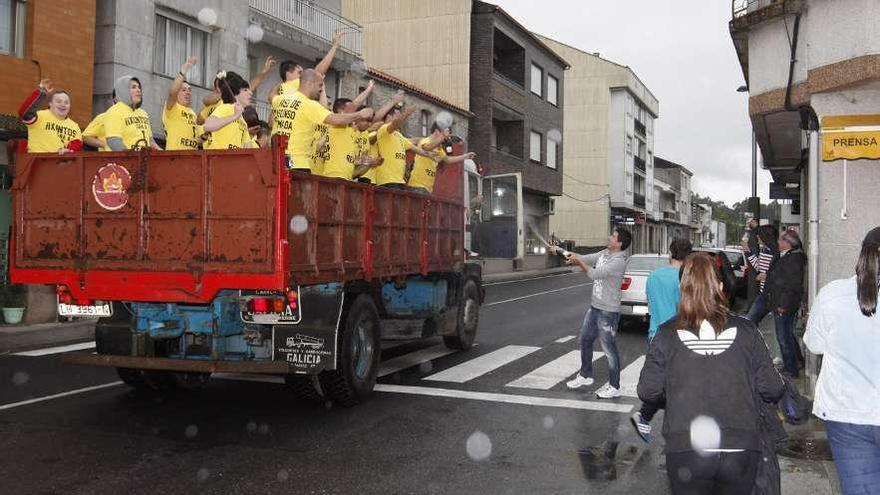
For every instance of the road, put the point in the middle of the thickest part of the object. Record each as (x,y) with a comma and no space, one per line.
(476,422)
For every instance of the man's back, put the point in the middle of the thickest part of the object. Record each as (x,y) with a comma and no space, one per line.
(663,294)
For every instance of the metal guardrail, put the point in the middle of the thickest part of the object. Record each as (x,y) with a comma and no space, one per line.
(262,108)
(740,8)
(314,20)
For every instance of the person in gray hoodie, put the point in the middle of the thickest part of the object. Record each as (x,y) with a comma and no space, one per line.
(126,123)
(606,269)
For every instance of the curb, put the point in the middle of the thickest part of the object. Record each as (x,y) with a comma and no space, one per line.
(27,337)
(525,275)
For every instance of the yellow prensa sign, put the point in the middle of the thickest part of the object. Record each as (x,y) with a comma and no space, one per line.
(850,137)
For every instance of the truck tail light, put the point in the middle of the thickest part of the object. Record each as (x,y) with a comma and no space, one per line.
(626,283)
(278,305)
(292,299)
(64,295)
(259,305)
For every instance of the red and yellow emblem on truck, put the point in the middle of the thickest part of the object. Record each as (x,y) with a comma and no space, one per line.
(110,186)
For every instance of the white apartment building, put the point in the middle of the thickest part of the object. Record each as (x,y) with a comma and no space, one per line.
(609,157)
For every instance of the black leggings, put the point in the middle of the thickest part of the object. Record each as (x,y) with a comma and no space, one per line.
(721,473)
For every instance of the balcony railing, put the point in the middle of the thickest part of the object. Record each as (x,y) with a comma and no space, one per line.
(262,108)
(639,163)
(639,128)
(639,199)
(313,20)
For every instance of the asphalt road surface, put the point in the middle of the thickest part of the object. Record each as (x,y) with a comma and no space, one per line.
(494,419)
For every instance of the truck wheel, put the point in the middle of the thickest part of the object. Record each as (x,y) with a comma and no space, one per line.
(303,388)
(133,378)
(358,357)
(468,318)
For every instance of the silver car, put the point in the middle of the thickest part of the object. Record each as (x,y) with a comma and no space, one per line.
(633,296)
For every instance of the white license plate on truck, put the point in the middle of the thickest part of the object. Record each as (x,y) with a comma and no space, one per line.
(76,310)
(640,310)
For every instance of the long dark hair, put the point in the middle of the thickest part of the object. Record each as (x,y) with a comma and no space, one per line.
(868,272)
(767,234)
(230,86)
(701,295)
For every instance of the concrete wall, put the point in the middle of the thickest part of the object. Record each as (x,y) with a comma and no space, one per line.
(425,44)
(125,40)
(48,53)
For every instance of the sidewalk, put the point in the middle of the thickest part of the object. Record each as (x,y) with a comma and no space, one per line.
(805,458)
(15,338)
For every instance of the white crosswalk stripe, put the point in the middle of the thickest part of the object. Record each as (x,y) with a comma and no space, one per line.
(413,359)
(57,350)
(552,373)
(564,339)
(481,365)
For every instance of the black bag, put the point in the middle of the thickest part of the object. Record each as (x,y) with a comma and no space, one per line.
(768,479)
(794,407)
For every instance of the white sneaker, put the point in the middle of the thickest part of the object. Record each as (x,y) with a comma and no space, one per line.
(777,361)
(578,382)
(608,392)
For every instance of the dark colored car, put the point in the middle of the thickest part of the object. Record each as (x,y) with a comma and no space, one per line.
(728,277)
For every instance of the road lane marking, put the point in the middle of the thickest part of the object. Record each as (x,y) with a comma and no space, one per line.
(405,361)
(479,366)
(564,274)
(629,377)
(564,339)
(57,350)
(552,373)
(506,398)
(58,396)
(537,294)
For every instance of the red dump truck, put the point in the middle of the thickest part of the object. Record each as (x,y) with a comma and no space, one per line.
(225,261)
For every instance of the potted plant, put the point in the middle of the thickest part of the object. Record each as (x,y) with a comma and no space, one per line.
(12,298)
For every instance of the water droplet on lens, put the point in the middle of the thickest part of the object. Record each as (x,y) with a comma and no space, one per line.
(684,474)
(203,474)
(19,378)
(444,120)
(254,33)
(554,136)
(283,475)
(251,426)
(549,422)
(264,429)
(479,446)
(299,224)
(426,367)
(191,431)
(705,434)
(207,17)
(358,68)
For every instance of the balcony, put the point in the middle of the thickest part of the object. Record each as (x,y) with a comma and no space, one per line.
(639,200)
(639,164)
(639,128)
(670,216)
(285,21)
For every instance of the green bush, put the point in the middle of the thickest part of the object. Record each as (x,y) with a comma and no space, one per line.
(13,295)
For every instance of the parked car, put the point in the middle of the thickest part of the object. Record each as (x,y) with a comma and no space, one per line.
(740,267)
(633,297)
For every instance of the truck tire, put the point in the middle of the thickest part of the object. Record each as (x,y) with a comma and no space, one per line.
(468,318)
(358,359)
(303,388)
(133,378)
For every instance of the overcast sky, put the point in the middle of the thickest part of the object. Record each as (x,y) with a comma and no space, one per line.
(681,50)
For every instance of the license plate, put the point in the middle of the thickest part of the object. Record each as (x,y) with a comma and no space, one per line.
(75,310)
(640,310)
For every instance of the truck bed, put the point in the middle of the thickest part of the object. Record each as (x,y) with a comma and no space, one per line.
(197,222)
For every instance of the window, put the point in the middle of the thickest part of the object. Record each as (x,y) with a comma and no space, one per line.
(629,183)
(535,141)
(175,41)
(552,89)
(552,150)
(537,81)
(629,145)
(424,118)
(12,27)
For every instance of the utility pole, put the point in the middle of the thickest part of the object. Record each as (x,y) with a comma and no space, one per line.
(755,201)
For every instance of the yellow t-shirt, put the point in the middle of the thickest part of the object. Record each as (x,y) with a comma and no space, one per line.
(321,148)
(392,147)
(425,169)
(288,87)
(48,133)
(371,149)
(232,136)
(133,126)
(95,129)
(207,111)
(307,115)
(343,152)
(181,130)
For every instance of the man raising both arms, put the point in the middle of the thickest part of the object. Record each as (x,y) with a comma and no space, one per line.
(308,114)
(425,170)
(181,130)
(126,124)
(393,147)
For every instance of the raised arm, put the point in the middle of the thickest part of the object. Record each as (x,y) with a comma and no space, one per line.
(177,83)
(362,98)
(344,119)
(28,109)
(268,65)
(213,122)
(399,119)
(324,65)
(384,109)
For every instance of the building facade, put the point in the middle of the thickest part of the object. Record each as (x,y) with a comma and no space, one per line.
(672,200)
(609,128)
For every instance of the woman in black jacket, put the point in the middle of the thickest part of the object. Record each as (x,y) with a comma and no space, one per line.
(711,369)
(785,287)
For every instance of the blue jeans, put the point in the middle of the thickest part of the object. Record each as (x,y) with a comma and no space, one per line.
(760,308)
(602,324)
(787,341)
(856,450)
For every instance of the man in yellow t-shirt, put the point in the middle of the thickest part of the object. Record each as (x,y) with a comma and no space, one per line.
(424,169)
(181,130)
(94,134)
(393,147)
(308,115)
(212,99)
(50,131)
(349,154)
(126,124)
(227,128)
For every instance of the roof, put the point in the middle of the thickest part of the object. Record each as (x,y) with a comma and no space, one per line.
(496,9)
(388,78)
(664,163)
